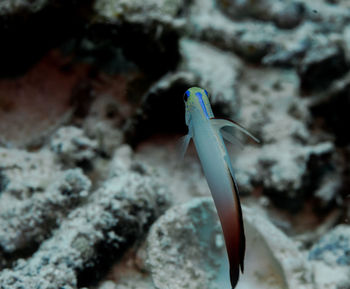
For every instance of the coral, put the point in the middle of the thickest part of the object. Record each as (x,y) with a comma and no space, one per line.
(330,259)
(71,145)
(154,108)
(273,112)
(114,215)
(27,222)
(285,179)
(24,173)
(286,14)
(245,39)
(102,124)
(321,66)
(91,109)
(333,248)
(27,115)
(151,24)
(184,240)
(215,70)
(14,6)
(188,241)
(137,10)
(332,106)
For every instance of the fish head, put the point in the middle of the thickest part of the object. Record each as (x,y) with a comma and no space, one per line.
(197,100)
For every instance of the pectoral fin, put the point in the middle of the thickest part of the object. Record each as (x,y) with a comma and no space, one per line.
(184,141)
(232,139)
(183,145)
(219,123)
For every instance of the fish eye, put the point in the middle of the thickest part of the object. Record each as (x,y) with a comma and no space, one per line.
(186,95)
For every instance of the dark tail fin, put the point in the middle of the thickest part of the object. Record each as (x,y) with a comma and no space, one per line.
(236,249)
(235,237)
(230,213)
(234,276)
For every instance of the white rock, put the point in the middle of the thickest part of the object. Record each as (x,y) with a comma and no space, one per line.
(183,242)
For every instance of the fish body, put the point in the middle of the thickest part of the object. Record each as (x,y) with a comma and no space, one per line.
(204,129)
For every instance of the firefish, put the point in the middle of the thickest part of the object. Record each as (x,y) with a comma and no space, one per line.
(207,134)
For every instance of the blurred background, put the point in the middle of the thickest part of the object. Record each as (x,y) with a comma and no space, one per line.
(92,194)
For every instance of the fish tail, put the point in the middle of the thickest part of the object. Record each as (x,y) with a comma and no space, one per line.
(233,230)
(236,247)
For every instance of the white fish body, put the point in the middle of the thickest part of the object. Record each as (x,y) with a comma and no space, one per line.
(216,164)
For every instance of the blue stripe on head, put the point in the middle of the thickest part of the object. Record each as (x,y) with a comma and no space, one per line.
(187,93)
(199,95)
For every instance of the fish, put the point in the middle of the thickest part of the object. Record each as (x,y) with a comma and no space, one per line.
(206,132)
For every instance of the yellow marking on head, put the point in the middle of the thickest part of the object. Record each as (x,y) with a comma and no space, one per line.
(197,98)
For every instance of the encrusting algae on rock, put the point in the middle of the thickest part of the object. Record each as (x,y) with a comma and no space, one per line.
(89,118)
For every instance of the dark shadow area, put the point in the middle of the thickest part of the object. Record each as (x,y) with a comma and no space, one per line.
(152,52)
(335,115)
(318,71)
(8,260)
(161,112)
(26,37)
(108,252)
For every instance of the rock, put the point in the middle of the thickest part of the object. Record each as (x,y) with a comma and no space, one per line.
(72,146)
(127,273)
(130,271)
(289,15)
(25,223)
(243,9)
(331,259)
(292,47)
(329,188)
(330,277)
(137,10)
(200,62)
(103,123)
(284,177)
(216,70)
(28,117)
(116,78)
(188,241)
(333,14)
(92,235)
(286,14)
(13,7)
(24,173)
(162,108)
(184,242)
(253,45)
(321,66)
(108,285)
(249,41)
(332,107)
(151,23)
(25,23)
(290,163)
(270,106)
(4,181)
(334,247)
(323,31)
